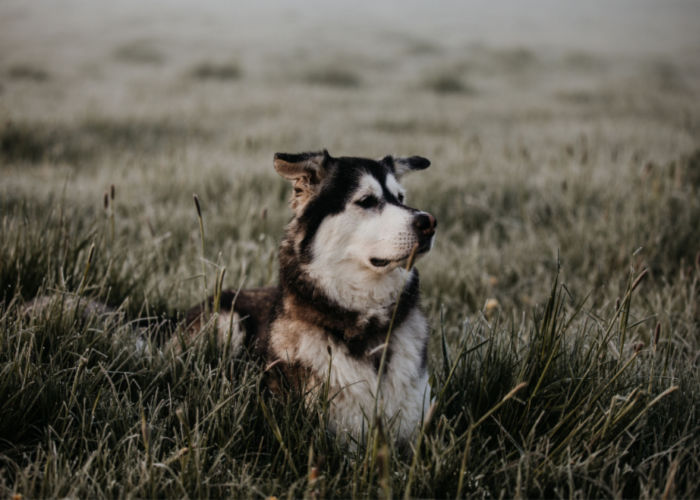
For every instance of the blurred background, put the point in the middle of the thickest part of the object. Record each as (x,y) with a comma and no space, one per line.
(544,123)
(254,72)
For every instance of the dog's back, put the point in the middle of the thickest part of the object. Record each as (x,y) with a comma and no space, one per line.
(242,314)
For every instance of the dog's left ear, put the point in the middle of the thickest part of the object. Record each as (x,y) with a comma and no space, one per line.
(402,165)
(305,171)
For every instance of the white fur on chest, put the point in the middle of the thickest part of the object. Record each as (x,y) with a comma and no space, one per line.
(364,291)
(404,392)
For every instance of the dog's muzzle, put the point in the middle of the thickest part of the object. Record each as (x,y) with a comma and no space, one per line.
(424,224)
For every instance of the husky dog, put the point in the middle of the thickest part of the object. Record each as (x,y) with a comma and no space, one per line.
(343,285)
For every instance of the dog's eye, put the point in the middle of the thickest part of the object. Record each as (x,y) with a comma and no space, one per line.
(368,201)
(400,197)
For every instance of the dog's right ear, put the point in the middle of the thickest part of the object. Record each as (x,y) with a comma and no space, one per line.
(305,171)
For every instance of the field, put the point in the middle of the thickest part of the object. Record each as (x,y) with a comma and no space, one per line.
(562,290)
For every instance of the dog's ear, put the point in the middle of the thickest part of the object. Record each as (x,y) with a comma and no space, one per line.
(402,165)
(305,171)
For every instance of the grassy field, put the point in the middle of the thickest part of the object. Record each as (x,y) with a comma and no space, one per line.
(566,182)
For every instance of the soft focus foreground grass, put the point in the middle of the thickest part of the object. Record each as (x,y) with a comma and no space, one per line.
(558,177)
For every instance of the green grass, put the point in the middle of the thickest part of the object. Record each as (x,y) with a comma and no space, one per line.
(607,408)
(556,370)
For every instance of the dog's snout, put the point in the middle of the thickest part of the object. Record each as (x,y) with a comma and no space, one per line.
(424,223)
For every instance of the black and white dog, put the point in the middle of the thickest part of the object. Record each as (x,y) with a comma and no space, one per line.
(343,279)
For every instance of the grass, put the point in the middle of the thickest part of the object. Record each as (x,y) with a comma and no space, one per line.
(332,76)
(601,397)
(28,72)
(216,71)
(139,52)
(562,292)
(448,82)
(32,143)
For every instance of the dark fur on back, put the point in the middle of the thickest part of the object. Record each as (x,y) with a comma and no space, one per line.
(254,306)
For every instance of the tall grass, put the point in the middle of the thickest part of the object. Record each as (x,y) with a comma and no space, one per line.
(569,402)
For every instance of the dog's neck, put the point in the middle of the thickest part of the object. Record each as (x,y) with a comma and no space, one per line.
(350,310)
(370,294)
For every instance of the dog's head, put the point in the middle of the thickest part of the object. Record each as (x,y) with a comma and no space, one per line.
(351,213)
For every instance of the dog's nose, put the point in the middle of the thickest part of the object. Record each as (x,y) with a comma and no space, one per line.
(424,223)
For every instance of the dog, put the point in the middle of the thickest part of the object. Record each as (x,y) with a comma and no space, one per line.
(345,317)
(346,311)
